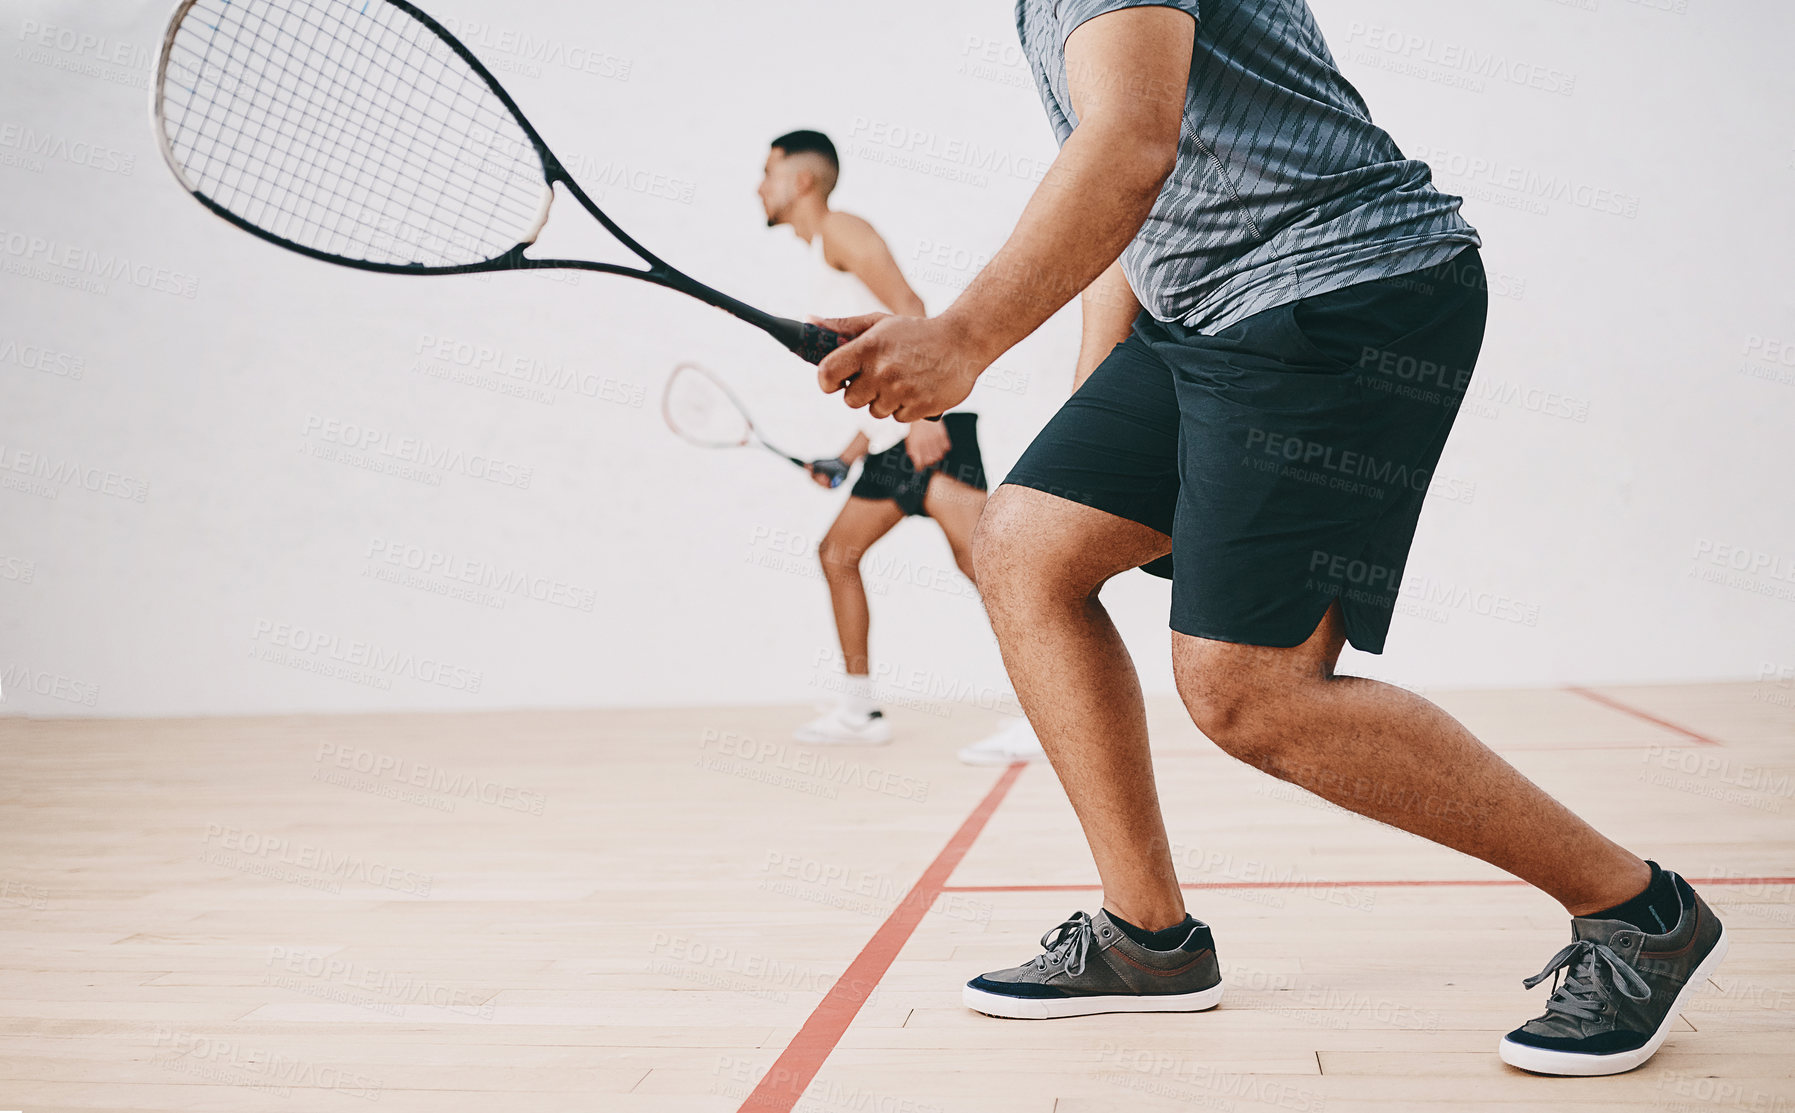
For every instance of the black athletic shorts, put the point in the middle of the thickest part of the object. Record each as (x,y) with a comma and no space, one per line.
(892,475)
(1286,456)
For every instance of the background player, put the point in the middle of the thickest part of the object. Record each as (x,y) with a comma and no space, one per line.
(926,468)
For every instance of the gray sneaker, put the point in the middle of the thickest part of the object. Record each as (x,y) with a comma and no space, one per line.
(1618,992)
(1091,966)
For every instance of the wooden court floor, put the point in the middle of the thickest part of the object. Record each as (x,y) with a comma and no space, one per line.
(679,911)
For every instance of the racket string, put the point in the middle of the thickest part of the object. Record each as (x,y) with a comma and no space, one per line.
(419,169)
(407,170)
(293,114)
(360,134)
(262,102)
(703,411)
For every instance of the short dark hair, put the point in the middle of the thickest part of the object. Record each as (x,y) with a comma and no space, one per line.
(808,142)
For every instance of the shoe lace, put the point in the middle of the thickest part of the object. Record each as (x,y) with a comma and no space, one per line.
(1073,937)
(1591,973)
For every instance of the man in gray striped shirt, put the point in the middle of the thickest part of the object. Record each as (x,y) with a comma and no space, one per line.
(1283,187)
(1281,316)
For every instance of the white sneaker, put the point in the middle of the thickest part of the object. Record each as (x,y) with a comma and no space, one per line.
(841,727)
(1015,742)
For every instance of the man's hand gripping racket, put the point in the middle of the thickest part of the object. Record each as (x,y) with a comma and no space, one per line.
(909,368)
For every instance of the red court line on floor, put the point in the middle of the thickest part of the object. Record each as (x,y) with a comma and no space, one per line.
(1626,709)
(791,1073)
(1385,884)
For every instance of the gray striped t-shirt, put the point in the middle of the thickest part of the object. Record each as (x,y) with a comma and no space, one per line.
(1283,188)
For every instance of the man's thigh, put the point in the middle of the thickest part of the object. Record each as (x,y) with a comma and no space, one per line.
(1113,447)
(955,507)
(861,522)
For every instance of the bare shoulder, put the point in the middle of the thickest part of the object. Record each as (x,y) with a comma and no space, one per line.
(847,237)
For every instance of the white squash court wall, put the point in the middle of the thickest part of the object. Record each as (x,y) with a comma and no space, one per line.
(1615,505)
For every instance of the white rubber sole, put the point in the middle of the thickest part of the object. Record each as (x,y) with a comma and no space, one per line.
(1542,1060)
(1053,1008)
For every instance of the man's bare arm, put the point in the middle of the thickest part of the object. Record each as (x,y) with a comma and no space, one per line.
(1127,71)
(1109,307)
(856,247)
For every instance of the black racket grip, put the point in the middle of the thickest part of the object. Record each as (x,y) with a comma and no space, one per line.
(815,342)
(832,469)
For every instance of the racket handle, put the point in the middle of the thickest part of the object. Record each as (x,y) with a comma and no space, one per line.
(810,342)
(815,342)
(833,468)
